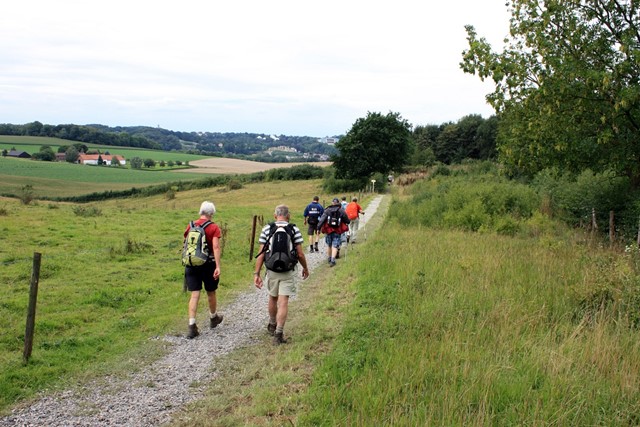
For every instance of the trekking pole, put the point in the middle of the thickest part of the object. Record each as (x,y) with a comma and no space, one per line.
(364,227)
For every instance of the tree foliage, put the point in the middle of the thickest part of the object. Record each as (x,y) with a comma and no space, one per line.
(374,144)
(566,85)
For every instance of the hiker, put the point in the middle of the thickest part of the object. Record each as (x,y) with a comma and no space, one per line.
(353,211)
(207,273)
(311,214)
(333,223)
(280,273)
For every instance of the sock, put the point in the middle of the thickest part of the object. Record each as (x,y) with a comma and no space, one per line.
(192,321)
(212,315)
(279,329)
(272,320)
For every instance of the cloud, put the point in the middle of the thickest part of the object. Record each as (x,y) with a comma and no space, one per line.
(285,67)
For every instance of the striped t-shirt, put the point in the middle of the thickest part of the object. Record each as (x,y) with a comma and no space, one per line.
(297,235)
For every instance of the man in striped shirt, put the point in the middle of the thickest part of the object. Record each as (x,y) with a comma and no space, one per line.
(279,284)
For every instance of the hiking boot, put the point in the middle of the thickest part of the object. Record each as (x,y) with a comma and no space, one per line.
(310,248)
(332,263)
(271,328)
(193,331)
(317,248)
(279,339)
(216,320)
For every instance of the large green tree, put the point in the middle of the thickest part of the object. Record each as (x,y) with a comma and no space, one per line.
(374,144)
(567,88)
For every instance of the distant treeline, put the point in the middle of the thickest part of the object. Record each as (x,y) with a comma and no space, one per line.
(241,145)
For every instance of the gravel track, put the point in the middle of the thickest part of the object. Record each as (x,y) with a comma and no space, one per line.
(150,396)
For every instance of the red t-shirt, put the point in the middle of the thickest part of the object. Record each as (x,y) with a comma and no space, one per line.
(210,232)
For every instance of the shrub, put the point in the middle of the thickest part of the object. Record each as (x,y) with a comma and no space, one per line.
(85,211)
(26,194)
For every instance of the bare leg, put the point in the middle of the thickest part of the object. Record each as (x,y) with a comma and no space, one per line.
(193,304)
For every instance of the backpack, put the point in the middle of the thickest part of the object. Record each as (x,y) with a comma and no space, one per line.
(335,218)
(352,210)
(196,251)
(313,215)
(280,254)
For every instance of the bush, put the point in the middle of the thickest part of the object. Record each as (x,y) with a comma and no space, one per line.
(26,194)
(86,211)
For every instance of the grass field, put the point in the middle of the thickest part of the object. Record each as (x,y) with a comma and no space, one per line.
(32,144)
(421,326)
(111,276)
(59,179)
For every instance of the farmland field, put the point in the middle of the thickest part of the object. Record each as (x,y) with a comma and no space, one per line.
(32,144)
(52,178)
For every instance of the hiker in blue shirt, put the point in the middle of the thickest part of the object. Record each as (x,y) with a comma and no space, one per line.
(312,214)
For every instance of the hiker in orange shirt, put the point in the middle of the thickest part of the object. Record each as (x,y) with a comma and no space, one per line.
(353,211)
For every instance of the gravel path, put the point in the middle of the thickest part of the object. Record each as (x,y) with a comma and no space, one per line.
(150,396)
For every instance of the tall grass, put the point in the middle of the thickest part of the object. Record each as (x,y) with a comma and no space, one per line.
(476,330)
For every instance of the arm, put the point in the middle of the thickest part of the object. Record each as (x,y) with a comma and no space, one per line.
(257,280)
(216,256)
(303,261)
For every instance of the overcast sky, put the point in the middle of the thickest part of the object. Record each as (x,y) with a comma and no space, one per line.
(275,67)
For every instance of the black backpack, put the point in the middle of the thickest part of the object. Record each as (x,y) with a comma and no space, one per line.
(335,218)
(313,215)
(280,254)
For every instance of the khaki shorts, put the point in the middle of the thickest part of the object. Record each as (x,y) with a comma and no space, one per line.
(280,283)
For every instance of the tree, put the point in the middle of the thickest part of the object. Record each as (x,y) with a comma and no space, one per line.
(149,163)
(375,144)
(46,154)
(136,163)
(71,155)
(4,153)
(567,85)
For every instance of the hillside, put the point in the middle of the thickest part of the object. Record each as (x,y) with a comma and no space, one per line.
(250,146)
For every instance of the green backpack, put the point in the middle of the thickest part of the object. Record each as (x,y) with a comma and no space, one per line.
(196,251)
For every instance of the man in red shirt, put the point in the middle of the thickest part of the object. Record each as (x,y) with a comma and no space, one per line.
(353,211)
(209,273)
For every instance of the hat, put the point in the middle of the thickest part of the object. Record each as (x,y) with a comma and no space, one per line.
(335,200)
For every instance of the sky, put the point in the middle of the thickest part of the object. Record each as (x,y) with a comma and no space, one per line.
(298,68)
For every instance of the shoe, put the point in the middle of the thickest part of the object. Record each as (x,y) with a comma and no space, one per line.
(317,248)
(310,248)
(332,263)
(271,328)
(193,331)
(279,339)
(216,320)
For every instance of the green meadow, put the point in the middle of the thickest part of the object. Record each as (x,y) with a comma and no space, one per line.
(458,319)
(32,144)
(60,179)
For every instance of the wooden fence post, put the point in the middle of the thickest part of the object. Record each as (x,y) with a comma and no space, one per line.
(253,237)
(31,312)
(594,223)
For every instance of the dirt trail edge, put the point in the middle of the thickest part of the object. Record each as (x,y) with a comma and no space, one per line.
(149,397)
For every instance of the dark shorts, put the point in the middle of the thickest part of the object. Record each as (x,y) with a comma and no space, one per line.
(311,228)
(196,276)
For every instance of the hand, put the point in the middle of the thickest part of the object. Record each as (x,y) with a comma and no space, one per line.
(305,273)
(305,221)
(216,273)
(257,281)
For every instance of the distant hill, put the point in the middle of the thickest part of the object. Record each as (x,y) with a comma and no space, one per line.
(250,146)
